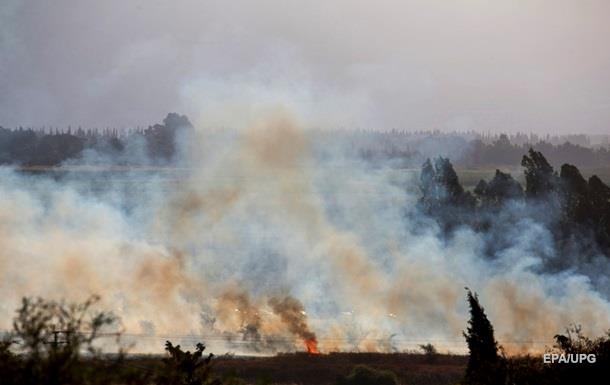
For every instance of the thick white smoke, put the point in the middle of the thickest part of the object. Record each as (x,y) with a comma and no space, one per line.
(208,252)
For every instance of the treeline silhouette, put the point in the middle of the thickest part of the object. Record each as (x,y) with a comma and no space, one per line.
(575,210)
(410,149)
(153,145)
(157,145)
(502,152)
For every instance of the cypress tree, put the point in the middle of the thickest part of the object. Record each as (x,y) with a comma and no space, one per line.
(484,363)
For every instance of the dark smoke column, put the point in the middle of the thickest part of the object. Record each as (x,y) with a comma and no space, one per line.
(292,313)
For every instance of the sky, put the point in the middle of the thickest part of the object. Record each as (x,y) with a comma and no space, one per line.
(496,65)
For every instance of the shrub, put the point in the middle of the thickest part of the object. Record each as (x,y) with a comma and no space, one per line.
(186,368)
(365,375)
(47,339)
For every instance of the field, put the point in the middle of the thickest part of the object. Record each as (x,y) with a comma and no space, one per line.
(302,368)
(469,177)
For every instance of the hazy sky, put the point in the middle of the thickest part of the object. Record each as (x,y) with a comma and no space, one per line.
(498,65)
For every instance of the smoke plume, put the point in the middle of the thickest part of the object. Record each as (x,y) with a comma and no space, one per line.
(293,314)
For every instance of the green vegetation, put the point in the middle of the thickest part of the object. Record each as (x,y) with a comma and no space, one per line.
(58,343)
(48,340)
(575,210)
(186,368)
(51,147)
(485,367)
(364,375)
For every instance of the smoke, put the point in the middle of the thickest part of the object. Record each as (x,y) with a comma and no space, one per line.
(293,314)
(408,64)
(262,245)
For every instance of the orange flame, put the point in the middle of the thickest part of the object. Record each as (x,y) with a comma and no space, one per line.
(312,346)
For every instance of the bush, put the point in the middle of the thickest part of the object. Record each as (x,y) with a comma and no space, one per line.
(49,337)
(365,375)
(429,351)
(186,368)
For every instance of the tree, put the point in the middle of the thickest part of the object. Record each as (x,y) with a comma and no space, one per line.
(540,178)
(484,364)
(599,195)
(575,342)
(51,336)
(175,121)
(429,351)
(161,138)
(9,363)
(440,184)
(575,199)
(443,197)
(499,190)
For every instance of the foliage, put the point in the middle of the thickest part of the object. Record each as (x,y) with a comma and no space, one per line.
(485,366)
(48,339)
(575,342)
(365,375)
(48,147)
(502,152)
(186,368)
(501,189)
(430,352)
(58,343)
(576,211)
(428,349)
(9,362)
(540,178)
(443,196)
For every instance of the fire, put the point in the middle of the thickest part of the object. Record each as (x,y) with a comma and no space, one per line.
(312,346)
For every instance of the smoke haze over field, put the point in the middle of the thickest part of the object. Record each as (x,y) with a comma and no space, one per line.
(537,65)
(263,246)
(259,238)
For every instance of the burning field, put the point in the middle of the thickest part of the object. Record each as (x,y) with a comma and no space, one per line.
(271,242)
(345,192)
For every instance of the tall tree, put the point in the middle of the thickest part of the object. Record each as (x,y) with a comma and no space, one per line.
(484,364)
(443,197)
(499,190)
(540,178)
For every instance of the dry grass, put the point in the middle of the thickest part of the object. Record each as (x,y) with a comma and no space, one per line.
(306,369)
(302,368)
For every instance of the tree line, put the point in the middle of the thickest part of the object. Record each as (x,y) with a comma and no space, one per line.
(153,145)
(404,149)
(575,210)
(157,144)
(502,152)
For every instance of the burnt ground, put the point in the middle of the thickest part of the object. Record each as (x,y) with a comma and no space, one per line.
(302,368)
